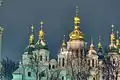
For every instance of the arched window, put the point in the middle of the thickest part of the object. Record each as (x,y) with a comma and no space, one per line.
(89,62)
(92,62)
(96,63)
(93,78)
(46,58)
(62,77)
(113,61)
(76,54)
(29,74)
(63,62)
(49,66)
(59,61)
(40,57)
(53,66)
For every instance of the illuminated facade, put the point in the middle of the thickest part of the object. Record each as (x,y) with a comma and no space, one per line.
(75,61)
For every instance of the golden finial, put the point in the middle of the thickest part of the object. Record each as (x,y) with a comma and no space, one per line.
(41,23)
(112,27)
(76,19)
(31,39)
(32,28)
(92,45)
(76,34)
(63,43)
(117,34)
(77,11)
(117,40)
(41,32)
(112,36)
(91,40)
(99,43)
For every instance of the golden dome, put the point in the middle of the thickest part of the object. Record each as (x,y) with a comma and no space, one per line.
(31,38)
(41,32)
(112,36)
(118,41)
(76,20)
(99,43)
(92,47)
(63,42)
(76,34)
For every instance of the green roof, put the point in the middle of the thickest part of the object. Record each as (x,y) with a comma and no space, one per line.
(40,46)
(29,49)
(18,71)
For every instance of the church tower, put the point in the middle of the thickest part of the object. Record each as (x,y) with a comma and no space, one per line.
(76,41)
(29,50)
(1,66)
(62,56)
(112,45)
(92,59)
(42,51)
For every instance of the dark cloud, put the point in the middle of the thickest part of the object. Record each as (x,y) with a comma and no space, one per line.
(16,16)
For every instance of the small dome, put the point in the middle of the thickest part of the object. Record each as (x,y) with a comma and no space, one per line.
(53,61)
(40,45)
(41,34)
(29,48)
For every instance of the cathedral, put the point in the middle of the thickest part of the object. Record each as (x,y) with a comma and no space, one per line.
(75,60)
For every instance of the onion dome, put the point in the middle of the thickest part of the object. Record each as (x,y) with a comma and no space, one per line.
(117,40)
(41,42)
(31,38)
(99,43)
(63,46)
(76,34)
(31,46)
(100,50)
(41,32)
(63,42)
(92,47)
(29,49)
(41,45)
(53,61)
(112,36)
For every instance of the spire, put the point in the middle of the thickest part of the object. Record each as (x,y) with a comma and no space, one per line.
(92,45)
(117,40)
(112,36)
(31,38)
(76,34)
(77,11)
(63,42)
(41,32)
(99,43)
(112,26)
(76,19)
(1,35)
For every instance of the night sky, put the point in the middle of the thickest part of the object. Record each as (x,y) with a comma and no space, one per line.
(17,16)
